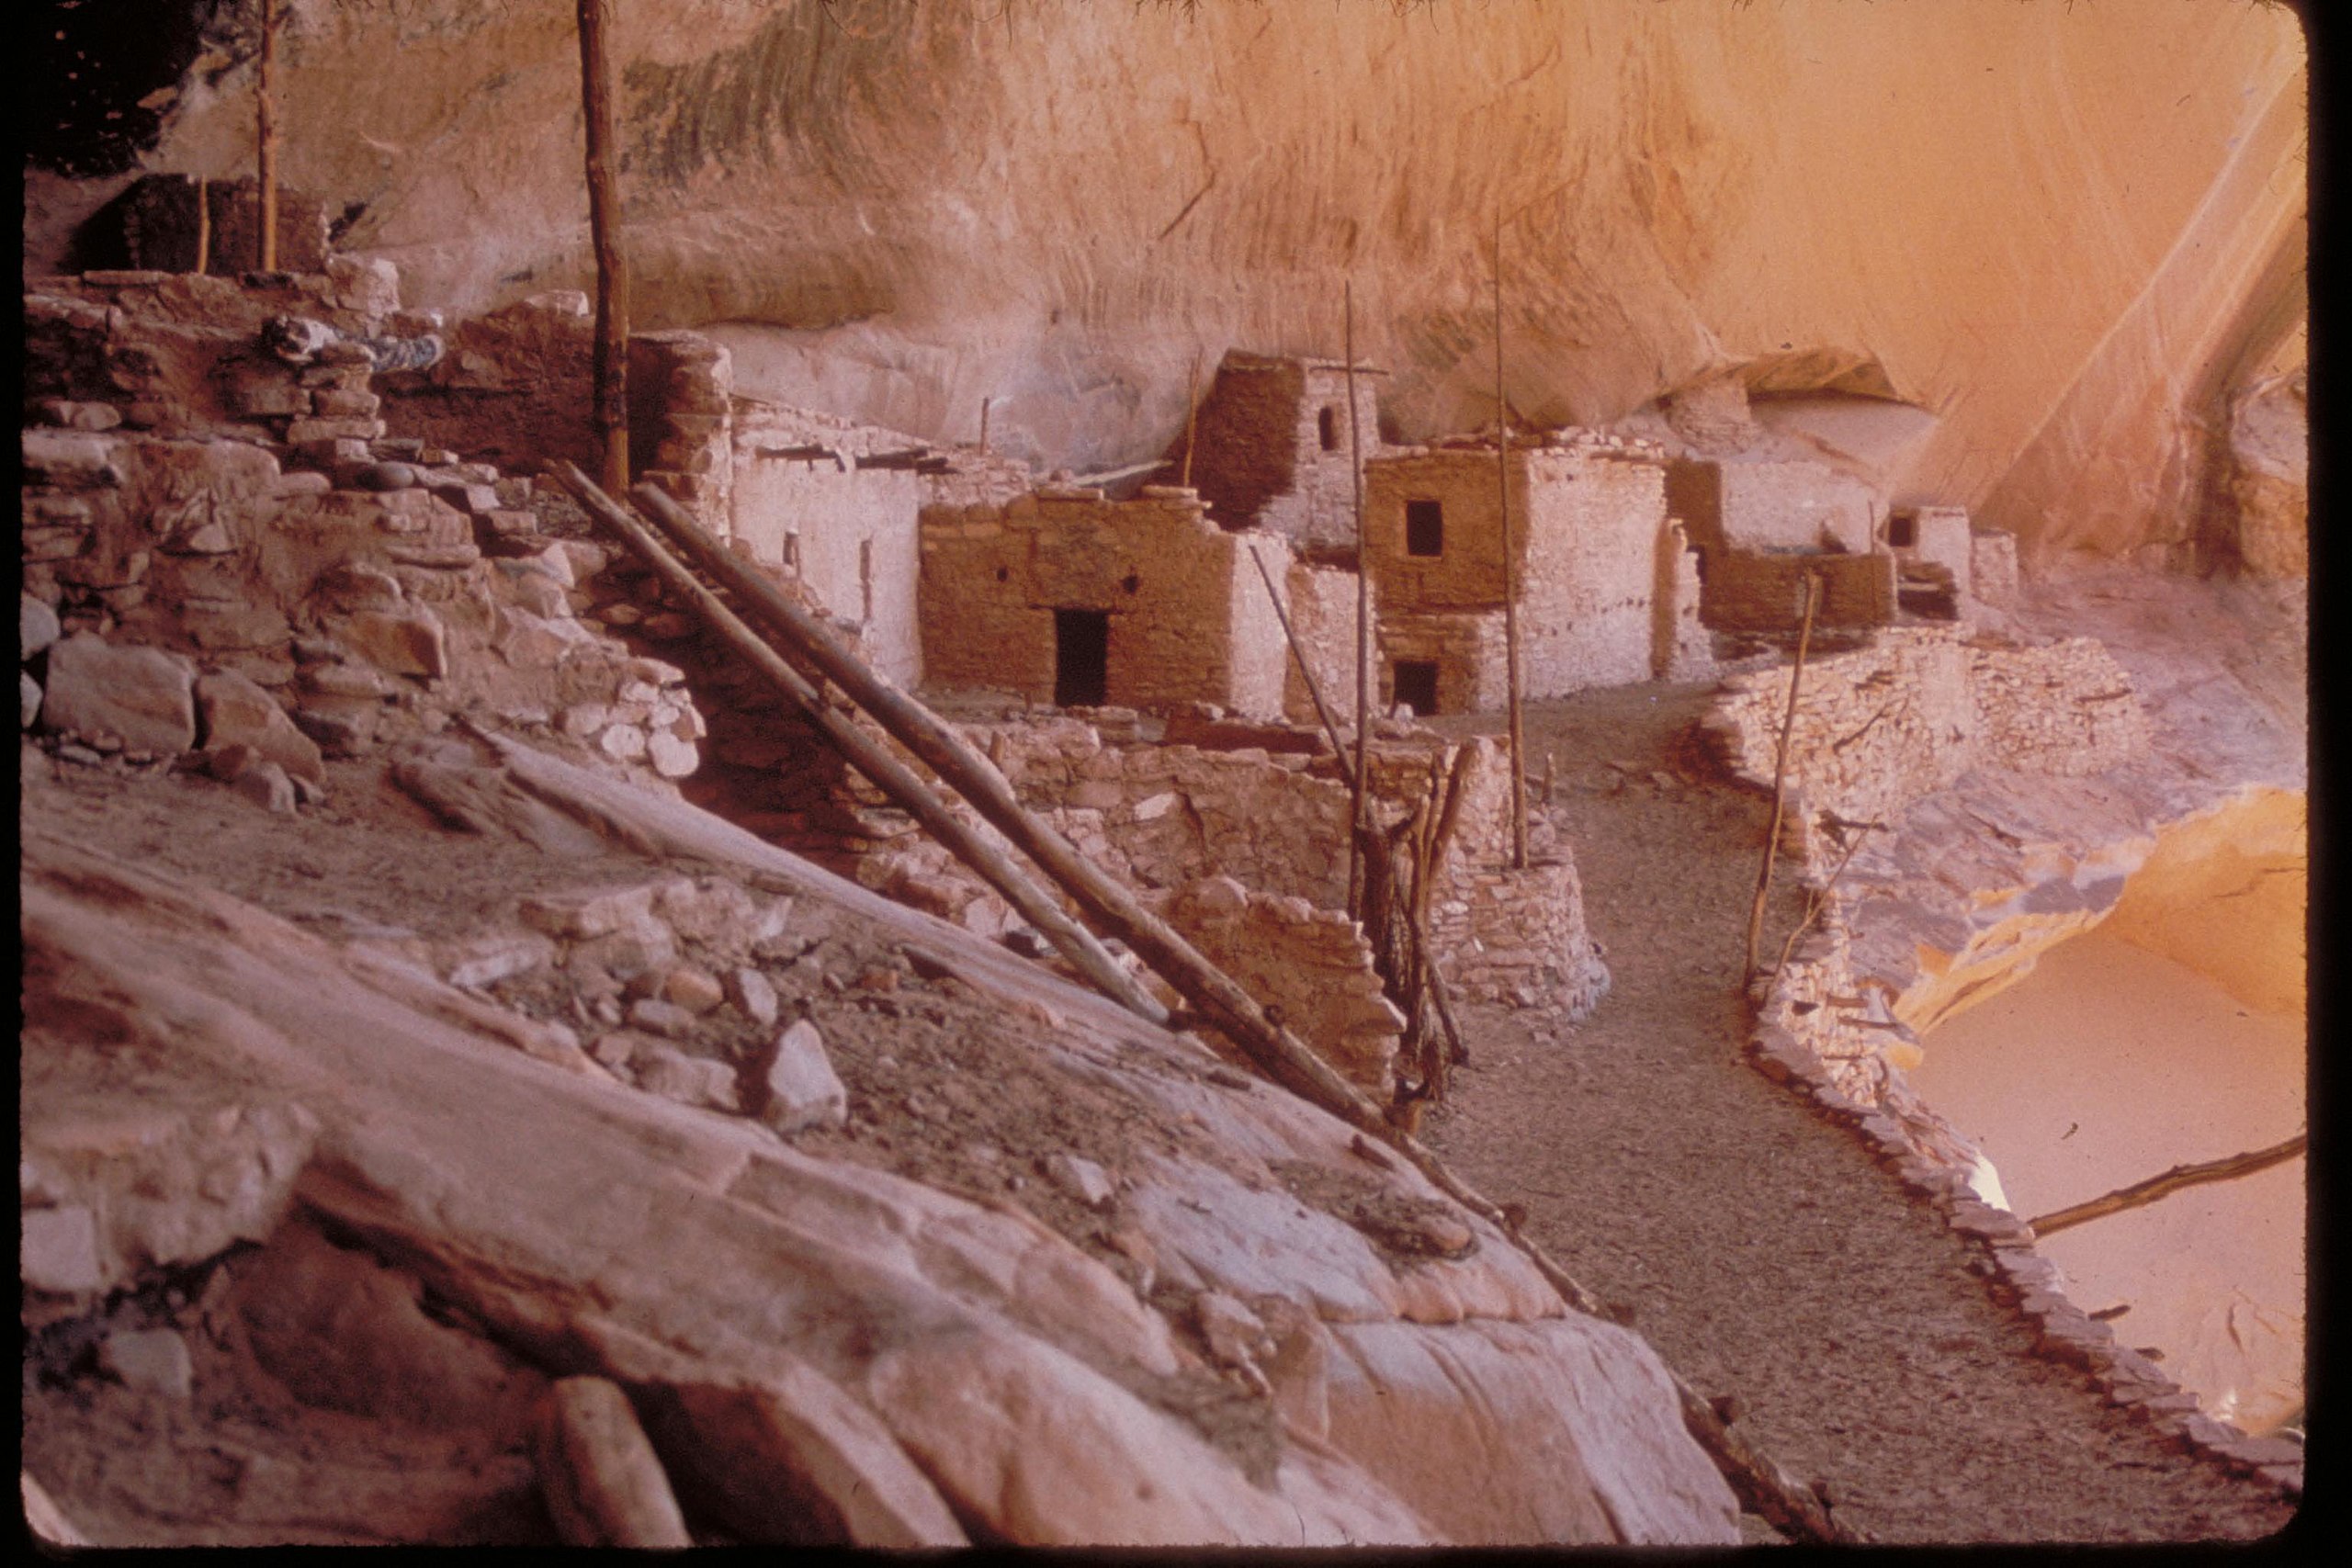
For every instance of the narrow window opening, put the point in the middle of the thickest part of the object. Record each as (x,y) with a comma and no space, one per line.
(1327,426)
(1903,530)
(1081,657)
(1005,574)
(1131,582)
(1424,528)
(1417,684)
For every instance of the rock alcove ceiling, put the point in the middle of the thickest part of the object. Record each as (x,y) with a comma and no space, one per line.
(2065,234)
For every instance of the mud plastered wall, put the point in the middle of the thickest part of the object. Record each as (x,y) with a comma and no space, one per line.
(1188,619)
(1747,591)
(850,534)
(1729,504)
(1271,446)
(1586,521)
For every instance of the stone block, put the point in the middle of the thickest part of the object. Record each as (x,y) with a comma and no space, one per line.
(409,642)
(802,1089)
(234,710)
(36,626)
(143,695)
(154,1361)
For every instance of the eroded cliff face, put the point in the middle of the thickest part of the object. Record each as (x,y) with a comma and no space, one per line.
(2065,233)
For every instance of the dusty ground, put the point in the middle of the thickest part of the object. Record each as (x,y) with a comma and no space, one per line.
(1762,1254)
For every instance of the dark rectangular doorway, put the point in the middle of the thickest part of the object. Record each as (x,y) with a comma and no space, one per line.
(1081,657)
(1417,684)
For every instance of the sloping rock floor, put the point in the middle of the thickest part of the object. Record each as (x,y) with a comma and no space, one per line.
(1763,1256)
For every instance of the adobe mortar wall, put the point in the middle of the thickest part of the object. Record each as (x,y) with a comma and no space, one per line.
(1259,460)
(1189,619)
(1741,504)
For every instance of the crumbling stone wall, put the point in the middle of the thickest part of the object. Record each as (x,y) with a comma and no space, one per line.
(681,390)
(193,492)
(1189,619)
(1310,963)
(1885,725)
(2270,466)
(155,224)
(513,386)
(1680,647)
(1993,565)
(1272,446)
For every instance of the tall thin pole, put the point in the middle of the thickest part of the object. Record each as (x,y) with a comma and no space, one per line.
(984,422)
(1192,416)
(1361,816)
(266,128)
(1510,572)
(611,362)
(203,226)
(1780,782)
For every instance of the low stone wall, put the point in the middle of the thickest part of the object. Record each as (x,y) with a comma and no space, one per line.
(1888,724)
(1309,963)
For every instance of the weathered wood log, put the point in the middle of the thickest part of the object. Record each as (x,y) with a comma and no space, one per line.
(1510,573)
(266,134)
(203,226)
(894,778)
(1359,786)
(2142,1193)
(1779,783)
(610,365)
(1767,1490)
(1314,689)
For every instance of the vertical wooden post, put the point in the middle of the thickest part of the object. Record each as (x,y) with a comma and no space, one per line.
(984,422)
(1192,416)
(1780,780)
(203,226)
(265,126)
(1360,815)
(611,362)
(1510,572)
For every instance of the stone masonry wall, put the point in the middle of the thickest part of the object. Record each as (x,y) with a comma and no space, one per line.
(848,532)
(1744,504)
(681,392)
(1587,515)
(1189,620)
(257,521)
(1322,602)
(1883,725)
(1259,458)
(1588,575)
(1747,591)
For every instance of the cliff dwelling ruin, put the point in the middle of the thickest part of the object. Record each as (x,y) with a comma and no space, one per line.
(858,773)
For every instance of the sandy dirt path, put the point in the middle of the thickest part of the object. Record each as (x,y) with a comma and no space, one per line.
(1760,1250)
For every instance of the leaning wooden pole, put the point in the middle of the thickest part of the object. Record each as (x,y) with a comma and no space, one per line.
(203,226)
(889,775)
(1360,786)
(1779,783)
(610,369)
(1766,1489)
(1510,573)
(1305,673)
(2141,1194)
(266,133)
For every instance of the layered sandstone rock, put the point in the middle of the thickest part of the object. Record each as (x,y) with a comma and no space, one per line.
(903,210)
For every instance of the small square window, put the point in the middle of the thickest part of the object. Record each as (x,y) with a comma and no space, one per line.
(1424,528)
(1903,530)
